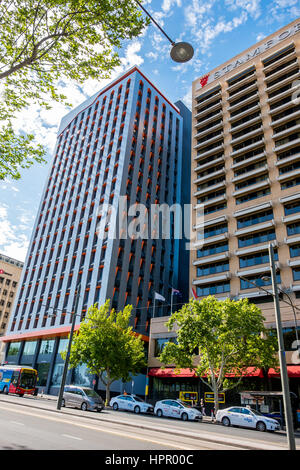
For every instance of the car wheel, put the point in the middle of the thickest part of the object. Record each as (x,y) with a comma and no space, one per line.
(159,413)
(184,417)
(226,421)
(260,426)
(5,390)
(115,406)
(84,406)
(137,410)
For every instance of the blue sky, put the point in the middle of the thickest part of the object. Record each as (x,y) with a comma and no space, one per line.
(217,29)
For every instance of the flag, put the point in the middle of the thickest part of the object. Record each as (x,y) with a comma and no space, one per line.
(159,297)
(194,293)
(175,291)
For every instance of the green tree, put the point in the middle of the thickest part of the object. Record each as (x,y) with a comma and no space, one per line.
(228,336)
(108,346)
(45,41)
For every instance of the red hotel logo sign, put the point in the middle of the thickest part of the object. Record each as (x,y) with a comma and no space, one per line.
(204,80)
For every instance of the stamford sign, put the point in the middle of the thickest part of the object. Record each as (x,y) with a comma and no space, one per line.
(250,55)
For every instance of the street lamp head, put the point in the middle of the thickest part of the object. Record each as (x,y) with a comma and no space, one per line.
(182,52)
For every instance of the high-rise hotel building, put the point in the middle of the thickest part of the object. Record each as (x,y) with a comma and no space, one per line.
(127,140)
(246,174)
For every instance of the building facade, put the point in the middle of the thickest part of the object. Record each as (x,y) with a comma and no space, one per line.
(10,272)
(246,174)
(245,181)
(120,151)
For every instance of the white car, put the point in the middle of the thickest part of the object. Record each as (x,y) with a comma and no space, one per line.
(246,417)
(176,409)
(130,403)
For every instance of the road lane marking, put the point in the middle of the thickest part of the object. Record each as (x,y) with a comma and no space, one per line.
(72,437)
(121,433)
(18,423)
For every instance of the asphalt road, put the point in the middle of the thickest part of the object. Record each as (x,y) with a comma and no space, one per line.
(34,423)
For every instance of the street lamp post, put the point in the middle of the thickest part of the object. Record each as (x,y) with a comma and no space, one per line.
(281,354)
(181,51)
(66,364)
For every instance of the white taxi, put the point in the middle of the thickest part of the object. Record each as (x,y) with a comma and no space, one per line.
(246,417)
(176,409)
(130,403)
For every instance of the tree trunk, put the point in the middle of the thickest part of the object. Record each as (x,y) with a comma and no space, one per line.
(216,397)
(107,396)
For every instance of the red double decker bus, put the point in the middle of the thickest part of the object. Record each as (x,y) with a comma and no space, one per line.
(18,380)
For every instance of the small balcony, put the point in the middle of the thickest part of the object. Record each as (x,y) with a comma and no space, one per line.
(288,175)
(287,145)
(252,187)
(212,278)
(213,128)
(241,82)
(209,164)
(246,149)
(216,149)
(246,135)
(281,61)
(251,173)
(251,98)
(283,71)
(216,107)
(288,117)
(247,89)
(255,107)
(210,98)
(209,176)
(211,259)
(214,117)
(287,131)
(208,189)
(245,124)
(248,161)
(208,142)
(254,228)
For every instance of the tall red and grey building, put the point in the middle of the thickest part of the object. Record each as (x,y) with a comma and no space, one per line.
(127,141)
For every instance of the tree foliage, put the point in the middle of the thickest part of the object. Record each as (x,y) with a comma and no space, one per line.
(45,41)
(107,345)
(228,336)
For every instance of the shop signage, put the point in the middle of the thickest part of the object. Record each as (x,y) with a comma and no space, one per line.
(256,51)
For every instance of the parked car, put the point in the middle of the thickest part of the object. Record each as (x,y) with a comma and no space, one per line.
(177,409)
(130,403)
(84,398)
(246,417)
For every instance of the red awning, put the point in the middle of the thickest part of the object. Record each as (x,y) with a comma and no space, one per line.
(169,372)
(293,371)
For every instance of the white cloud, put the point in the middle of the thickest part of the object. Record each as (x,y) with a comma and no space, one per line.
(12,242)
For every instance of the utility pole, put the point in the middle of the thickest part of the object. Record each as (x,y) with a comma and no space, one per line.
(282,359)
(66,365)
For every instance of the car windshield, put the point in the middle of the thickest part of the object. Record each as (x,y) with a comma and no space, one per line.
(183,404)
(27,380)
(90,393)
(257,413)
(138,399)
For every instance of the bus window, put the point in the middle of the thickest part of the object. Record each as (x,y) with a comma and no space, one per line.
(15,378)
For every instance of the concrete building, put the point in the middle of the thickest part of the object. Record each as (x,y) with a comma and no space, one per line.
(246,173)
(246,178)
(125,144)
(10,273)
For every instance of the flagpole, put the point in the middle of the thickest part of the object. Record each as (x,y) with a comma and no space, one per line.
(172,302)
